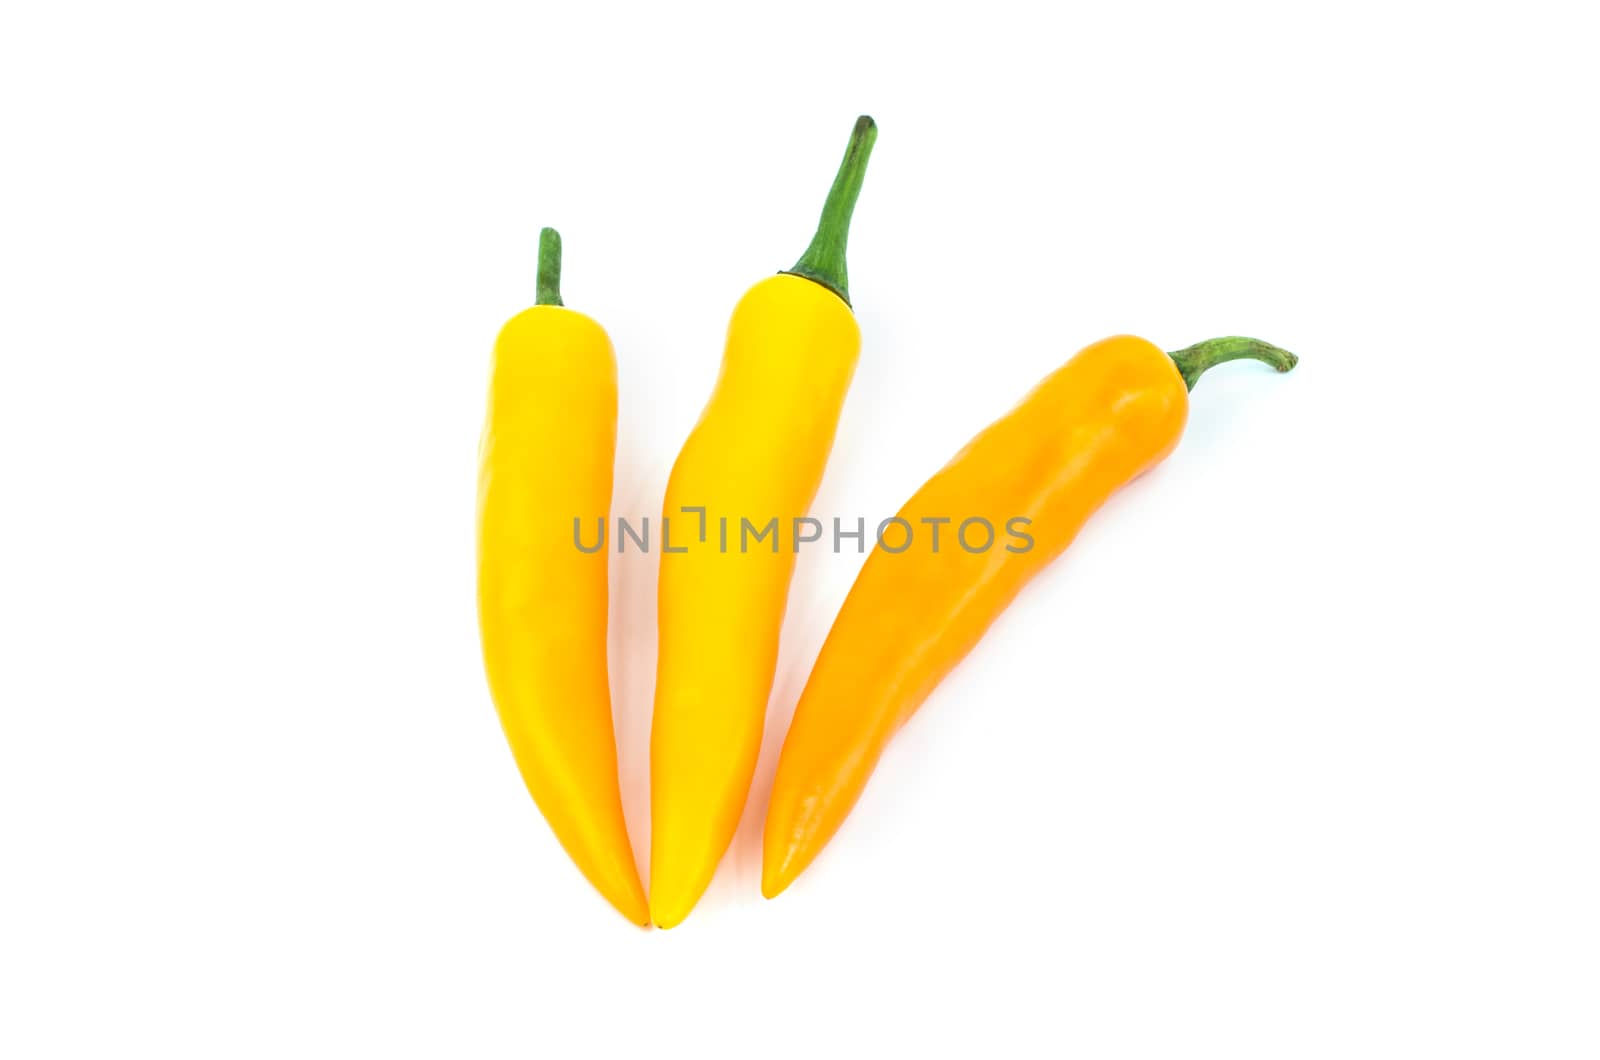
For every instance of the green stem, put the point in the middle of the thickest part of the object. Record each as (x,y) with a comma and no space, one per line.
(1192,361)
(549,281)
(823,261)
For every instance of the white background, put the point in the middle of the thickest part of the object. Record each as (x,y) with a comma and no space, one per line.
(1292,755)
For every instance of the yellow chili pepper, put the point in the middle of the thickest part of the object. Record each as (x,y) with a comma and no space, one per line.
(546,459)
(1033,478)
(756,455)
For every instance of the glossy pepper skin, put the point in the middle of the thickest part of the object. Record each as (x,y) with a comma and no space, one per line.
(757,453)
(1108,415)
(546,459)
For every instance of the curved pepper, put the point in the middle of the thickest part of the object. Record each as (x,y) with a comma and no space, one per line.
(757,454)
(1106,416)
(546,459)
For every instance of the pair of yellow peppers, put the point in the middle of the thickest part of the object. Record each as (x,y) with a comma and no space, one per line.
(759,449)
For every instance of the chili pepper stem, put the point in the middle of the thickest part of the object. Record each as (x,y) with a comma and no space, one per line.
(549,276)
(1193,361)
(823,261)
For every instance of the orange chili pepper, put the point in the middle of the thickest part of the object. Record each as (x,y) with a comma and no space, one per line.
(1106,416)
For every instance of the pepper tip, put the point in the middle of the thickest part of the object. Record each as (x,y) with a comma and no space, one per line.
(778,873)
(668,915)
